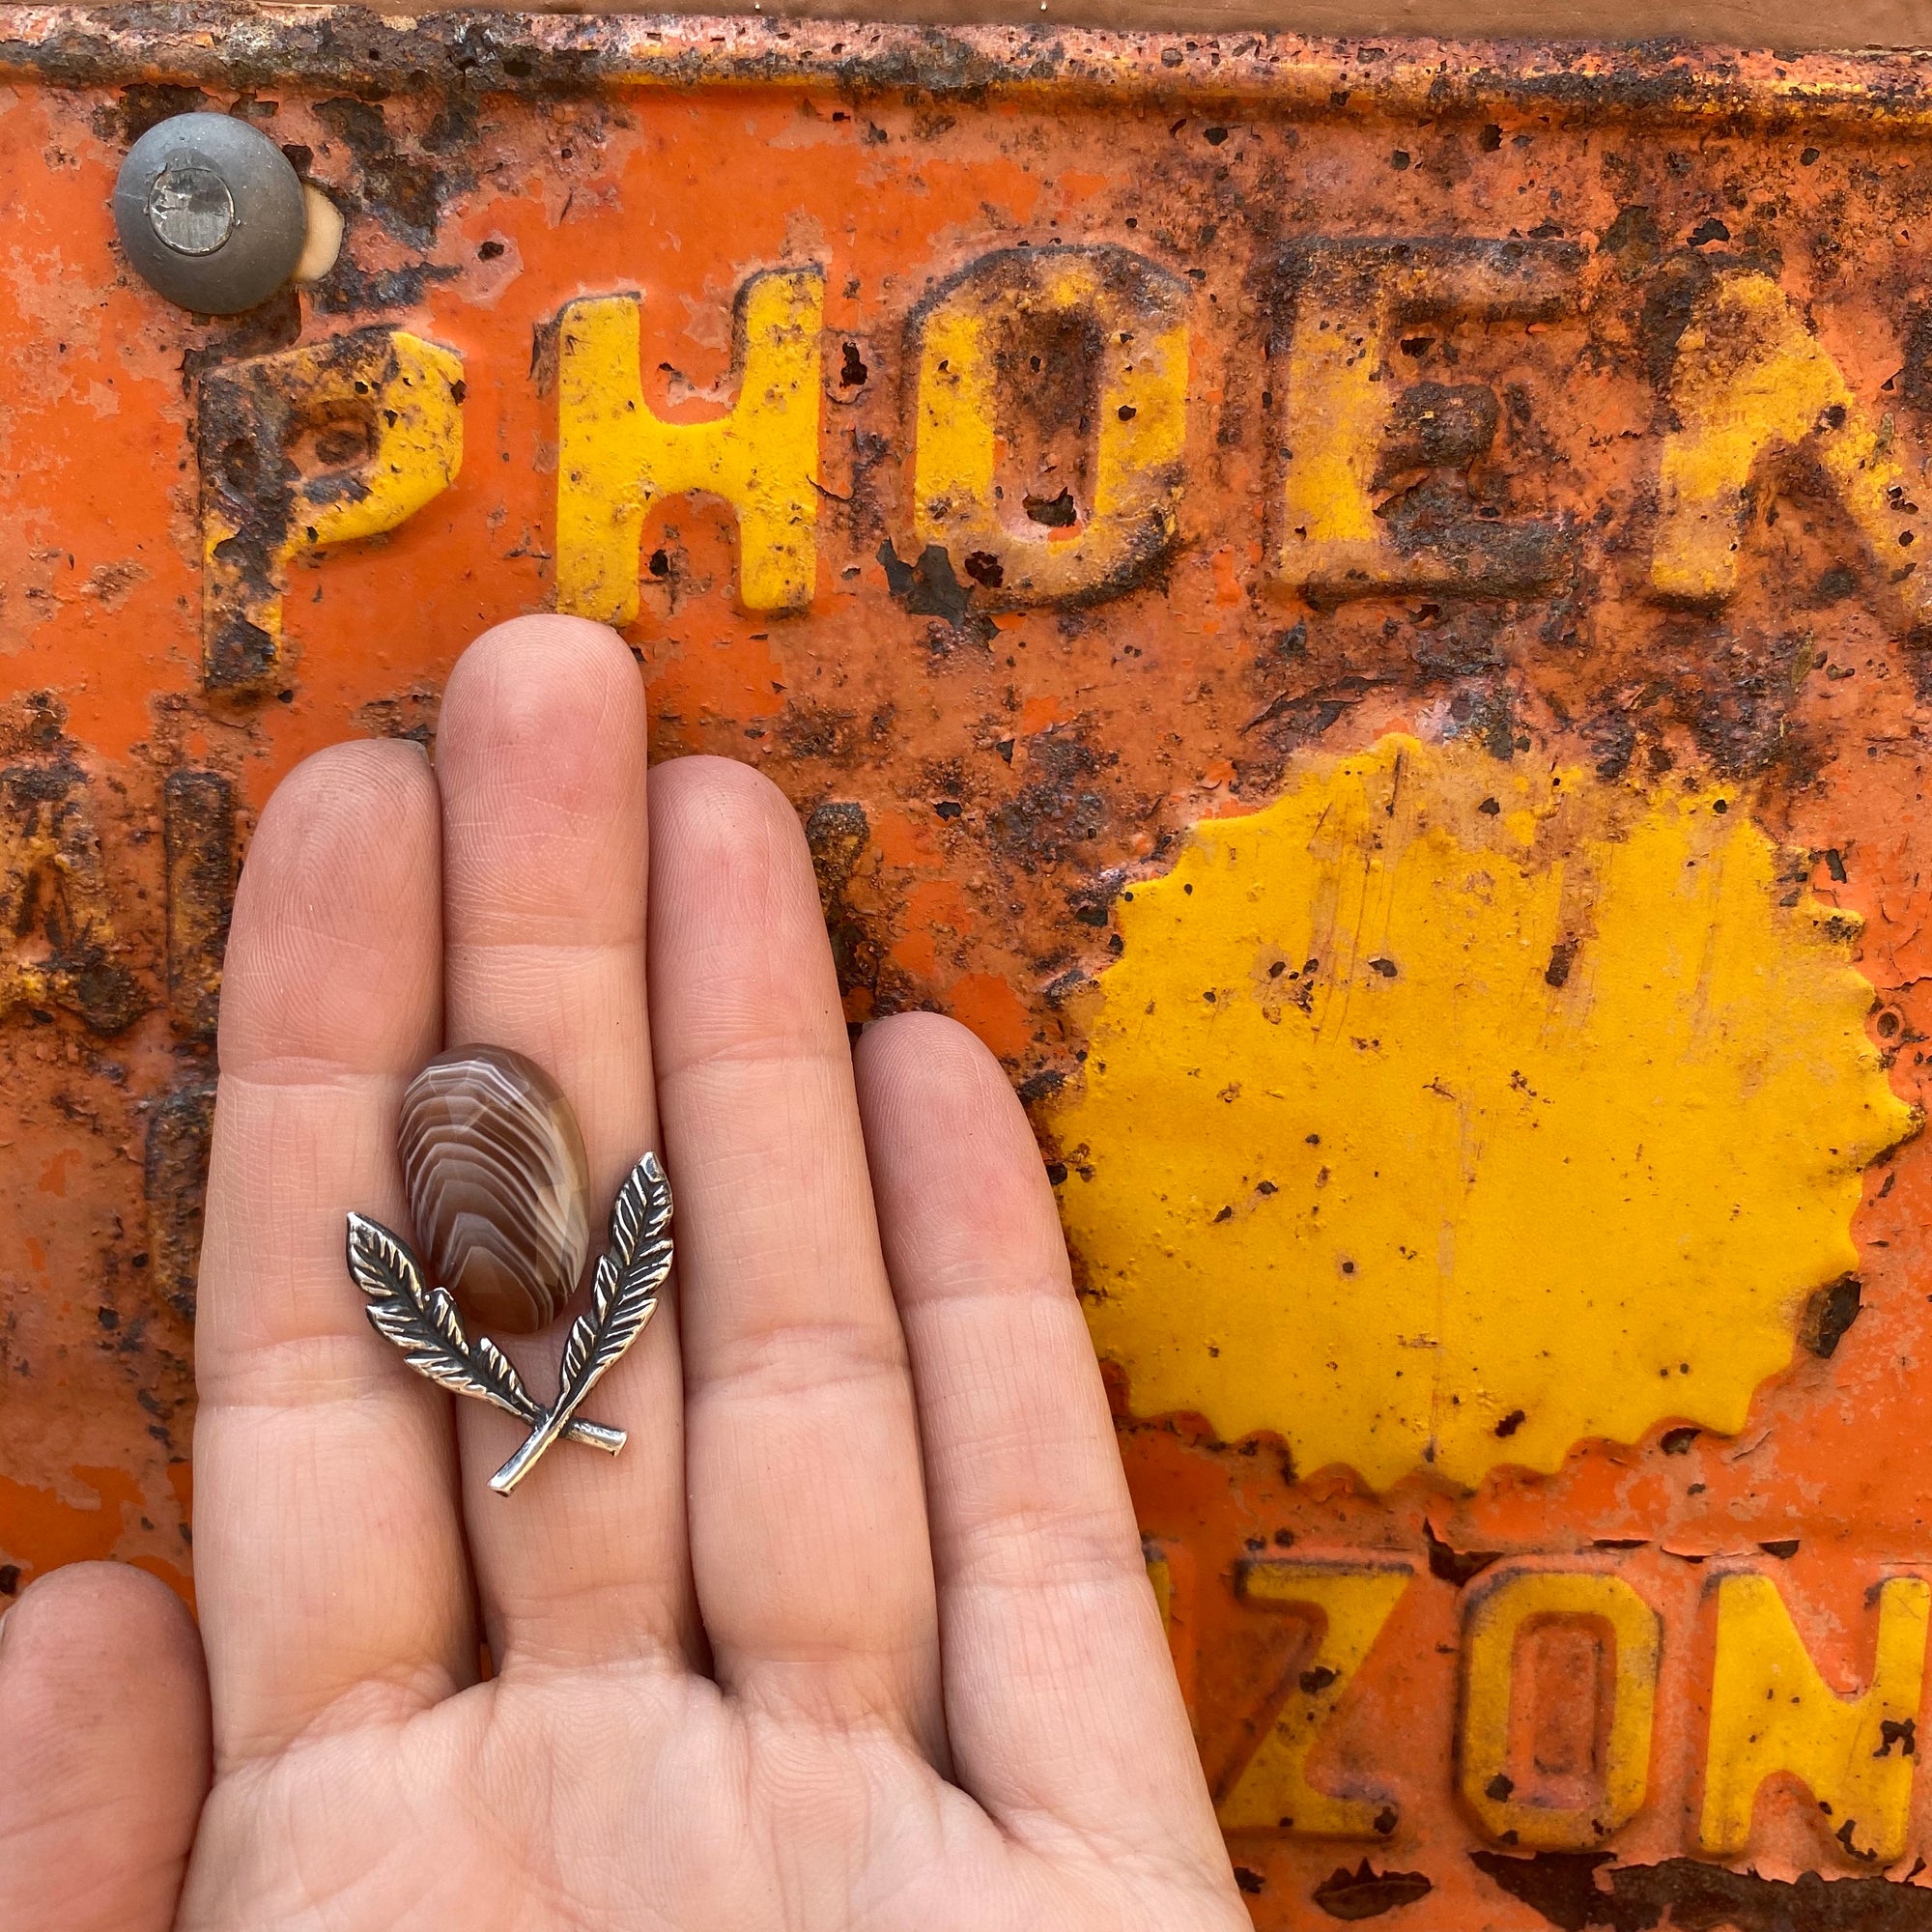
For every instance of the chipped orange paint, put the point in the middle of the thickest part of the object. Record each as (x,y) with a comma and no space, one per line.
(1565,269)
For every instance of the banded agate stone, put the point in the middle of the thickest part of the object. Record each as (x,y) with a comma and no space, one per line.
(498,1185)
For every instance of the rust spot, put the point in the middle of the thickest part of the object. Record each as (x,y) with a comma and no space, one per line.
(1828,1314)
(837,834)
(1061,809)
(147,104)
(175,1177)
(198,822)
(1456,1565)
(1367,1893)
(1693,1897)
(928,588)
(1053,513)
(402,191)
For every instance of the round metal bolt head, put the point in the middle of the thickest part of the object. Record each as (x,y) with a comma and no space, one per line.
(190,209)
(210,213)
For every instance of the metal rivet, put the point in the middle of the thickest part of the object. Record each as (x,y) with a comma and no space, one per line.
(191,210)
(210,213)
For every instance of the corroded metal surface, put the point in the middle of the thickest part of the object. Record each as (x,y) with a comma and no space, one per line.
(1353,609)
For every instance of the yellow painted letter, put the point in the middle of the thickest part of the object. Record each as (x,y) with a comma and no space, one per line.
(616,459)
(60,946)
(1771,1711)
(1169,1568)
(1563,1770)
(1114,326)
(1751,379)
(1271,1792)
(1358,442)
(305,449)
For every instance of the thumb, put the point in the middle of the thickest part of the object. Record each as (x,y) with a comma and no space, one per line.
(103,1752)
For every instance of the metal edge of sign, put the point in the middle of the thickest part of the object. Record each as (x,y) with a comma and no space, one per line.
(217,42)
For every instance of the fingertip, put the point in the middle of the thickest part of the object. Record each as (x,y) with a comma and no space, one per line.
(84,1601)
(76,1622)
(336,792)
(919,1060)
(932,1075)
(950,1149)
(556,682)
(540,757)
(737,937)
(719,813)
(349,827)
(543,636)
(103,1705)
(336,924)
(725,839)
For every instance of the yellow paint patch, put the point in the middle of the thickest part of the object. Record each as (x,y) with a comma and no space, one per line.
(1450,1112)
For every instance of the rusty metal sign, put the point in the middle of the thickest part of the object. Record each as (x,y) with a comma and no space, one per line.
(1355,609)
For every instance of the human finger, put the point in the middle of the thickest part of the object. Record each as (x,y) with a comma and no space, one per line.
(328,1553)
(540,760)
(809,1537)
(1061,1698)
(103,1710)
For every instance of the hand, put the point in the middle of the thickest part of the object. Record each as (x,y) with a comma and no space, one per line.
(855,1633)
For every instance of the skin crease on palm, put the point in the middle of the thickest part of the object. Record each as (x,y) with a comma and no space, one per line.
(853,1634)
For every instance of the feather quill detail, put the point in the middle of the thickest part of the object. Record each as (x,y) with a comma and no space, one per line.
(426,1325)
(629,1274)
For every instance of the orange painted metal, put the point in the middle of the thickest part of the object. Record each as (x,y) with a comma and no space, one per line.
(979,779)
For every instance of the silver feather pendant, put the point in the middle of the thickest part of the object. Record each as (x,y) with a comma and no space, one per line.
(426,1325)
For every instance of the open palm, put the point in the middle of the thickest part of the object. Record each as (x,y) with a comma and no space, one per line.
(855,1633)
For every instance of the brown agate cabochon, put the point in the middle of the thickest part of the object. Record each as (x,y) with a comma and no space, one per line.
(497,1177)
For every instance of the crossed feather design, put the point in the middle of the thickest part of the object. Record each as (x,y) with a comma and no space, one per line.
(426,1325)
